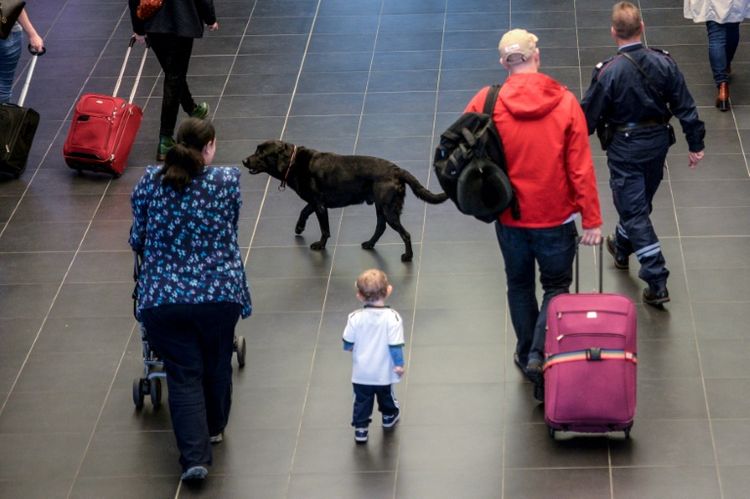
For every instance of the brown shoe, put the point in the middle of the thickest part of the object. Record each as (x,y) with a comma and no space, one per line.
(722,97)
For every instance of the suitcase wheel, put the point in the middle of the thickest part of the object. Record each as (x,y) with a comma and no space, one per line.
(551,432)
(627,432)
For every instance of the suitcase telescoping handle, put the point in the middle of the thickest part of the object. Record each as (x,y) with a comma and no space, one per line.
(25,89)
(124,65)
(601,265)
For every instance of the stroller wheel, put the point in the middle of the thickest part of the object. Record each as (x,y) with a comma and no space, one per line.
(241,348)
(138,393)
(154,390)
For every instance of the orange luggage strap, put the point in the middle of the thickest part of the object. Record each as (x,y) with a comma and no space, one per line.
(590,354)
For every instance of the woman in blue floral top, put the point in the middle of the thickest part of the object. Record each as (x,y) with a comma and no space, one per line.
(192,287)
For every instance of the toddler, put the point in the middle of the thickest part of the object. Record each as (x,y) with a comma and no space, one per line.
(375,336)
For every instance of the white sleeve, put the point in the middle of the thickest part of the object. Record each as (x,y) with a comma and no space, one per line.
(396,330)
(350,331)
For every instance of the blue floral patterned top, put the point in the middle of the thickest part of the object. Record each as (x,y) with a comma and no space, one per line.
(188,240)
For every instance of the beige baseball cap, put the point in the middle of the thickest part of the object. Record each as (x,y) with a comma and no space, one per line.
(516,46)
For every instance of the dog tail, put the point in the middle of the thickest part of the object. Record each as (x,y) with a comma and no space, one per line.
(421,191)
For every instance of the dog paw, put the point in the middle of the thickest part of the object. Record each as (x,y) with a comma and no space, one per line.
(299,229)
(368,245)
(407,257)
(317,246)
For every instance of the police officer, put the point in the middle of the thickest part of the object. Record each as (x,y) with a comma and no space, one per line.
(629,103)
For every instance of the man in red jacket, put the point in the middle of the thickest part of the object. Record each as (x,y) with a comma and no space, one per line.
(545,137)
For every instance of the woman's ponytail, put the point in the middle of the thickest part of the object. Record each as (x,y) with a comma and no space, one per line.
(184,161)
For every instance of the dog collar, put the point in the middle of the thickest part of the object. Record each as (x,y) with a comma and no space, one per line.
(282,185)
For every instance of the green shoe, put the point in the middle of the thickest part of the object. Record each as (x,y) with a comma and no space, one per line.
(200,111)
(165,144)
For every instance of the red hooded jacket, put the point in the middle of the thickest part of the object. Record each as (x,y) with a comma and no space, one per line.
(546,142)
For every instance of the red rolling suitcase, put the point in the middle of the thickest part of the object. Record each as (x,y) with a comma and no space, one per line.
(18,126)
(590,362)
(104,128)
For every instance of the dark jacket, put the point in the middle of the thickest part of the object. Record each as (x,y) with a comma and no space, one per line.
(620,94)
(184,18)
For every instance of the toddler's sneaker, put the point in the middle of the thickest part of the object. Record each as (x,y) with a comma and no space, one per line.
(360,435)
(216,439)
(389,420)
(194,473)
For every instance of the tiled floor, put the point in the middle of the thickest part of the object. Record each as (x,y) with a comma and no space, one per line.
(381,77)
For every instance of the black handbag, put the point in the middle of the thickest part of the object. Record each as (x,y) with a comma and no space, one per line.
(9,12)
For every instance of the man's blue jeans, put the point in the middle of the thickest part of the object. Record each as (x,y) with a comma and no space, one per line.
(553,250)
(10,52)
(722,44)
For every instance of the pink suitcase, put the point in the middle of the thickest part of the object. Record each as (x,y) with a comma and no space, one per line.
(590,362)
(104,127)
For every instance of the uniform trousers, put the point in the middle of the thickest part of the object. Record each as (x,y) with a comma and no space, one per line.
(636,168)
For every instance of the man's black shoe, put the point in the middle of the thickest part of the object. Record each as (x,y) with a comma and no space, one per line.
(534,373)
(520,366)
(620,263)
(655,299)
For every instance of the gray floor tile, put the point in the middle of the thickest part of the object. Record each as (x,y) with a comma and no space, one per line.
(664,442)
(564,483)
(131,454)
(272,455)
(375,485)
(460,447)
(734,480)
(54,457)
(240,485)
(662,482)
(125,487)
(732,438)
(445,484)
(335,451)
(34,488)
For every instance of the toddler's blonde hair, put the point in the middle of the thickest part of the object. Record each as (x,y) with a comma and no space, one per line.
(372,284)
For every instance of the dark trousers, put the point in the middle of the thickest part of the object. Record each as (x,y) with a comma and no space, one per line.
(196,344)
(364,399)
(173,53)
(553,250)
(636,168)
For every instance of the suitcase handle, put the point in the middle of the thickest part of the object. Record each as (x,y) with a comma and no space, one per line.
(27,82)
(37,52)
(131,42)
(601,265)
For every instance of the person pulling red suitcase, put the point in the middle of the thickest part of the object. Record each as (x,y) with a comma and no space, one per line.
(104,127)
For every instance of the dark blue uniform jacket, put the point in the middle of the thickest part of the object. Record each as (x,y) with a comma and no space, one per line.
(619,94)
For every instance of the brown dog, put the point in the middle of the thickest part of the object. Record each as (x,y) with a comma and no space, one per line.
(327,180)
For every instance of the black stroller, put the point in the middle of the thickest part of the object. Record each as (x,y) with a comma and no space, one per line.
(153,367)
